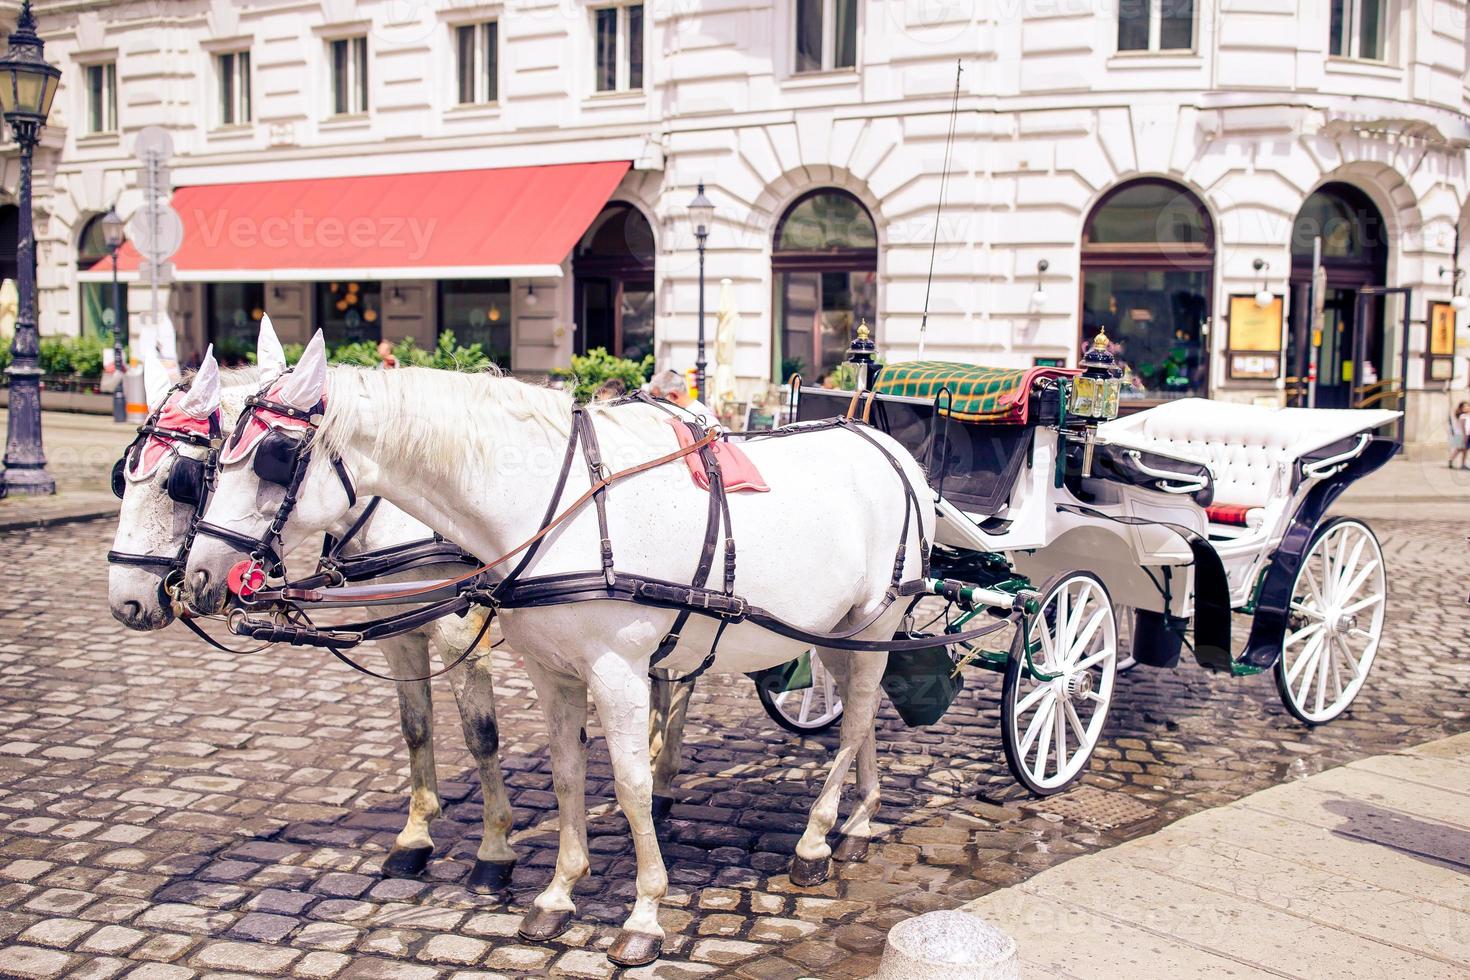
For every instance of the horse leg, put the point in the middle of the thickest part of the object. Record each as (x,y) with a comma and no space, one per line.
(475,693)
(856,830)
(666,736)
(408,656)
(621,692)
(564,705)
(813,861)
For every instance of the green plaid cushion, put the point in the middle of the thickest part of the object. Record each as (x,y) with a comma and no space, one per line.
(980,393)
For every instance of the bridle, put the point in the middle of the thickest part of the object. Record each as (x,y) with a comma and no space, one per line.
(189,484)
(282,460)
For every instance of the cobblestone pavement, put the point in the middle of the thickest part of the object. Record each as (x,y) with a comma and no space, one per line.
(167,810)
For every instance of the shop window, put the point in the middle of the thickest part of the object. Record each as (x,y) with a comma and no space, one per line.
(99,316)
(614,298)
(618,43)
(349,71)
(477,50)
(826,35)
(824,265)
(478,311)
(232,312)
(1147,268)
(349,312)
(232,72)
(1156,25)
(101,82)
(1358,29)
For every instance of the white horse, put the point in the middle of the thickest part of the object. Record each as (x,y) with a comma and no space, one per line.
(151,523)
(478,457)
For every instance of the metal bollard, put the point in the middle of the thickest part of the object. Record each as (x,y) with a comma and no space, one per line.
(952,945)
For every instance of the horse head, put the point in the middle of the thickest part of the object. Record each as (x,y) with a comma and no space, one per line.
(272,492)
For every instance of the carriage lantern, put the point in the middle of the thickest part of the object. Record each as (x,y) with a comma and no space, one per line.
(1095,392)
(860,355)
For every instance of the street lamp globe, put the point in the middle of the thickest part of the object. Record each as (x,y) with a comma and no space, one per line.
(27,83)
(113,230)
(701,212)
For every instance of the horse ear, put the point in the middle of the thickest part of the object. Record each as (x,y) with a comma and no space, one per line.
(270,357)
(156,383)
(303,387)
(202,399)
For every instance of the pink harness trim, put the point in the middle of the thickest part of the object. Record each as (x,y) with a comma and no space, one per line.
(739,472)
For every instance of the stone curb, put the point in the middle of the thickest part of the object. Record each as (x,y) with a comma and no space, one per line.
(56,520)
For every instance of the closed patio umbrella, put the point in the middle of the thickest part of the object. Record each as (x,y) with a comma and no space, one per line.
(722,387)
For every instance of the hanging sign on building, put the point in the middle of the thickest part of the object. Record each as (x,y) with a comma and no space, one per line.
(1254,339)
(1440,363)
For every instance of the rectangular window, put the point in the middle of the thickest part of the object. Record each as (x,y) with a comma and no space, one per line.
(349,312)
(233,72)
(232,312)
(102,98)
(477,47)
(618,48)
(1156,319)
(98,316)
(826,35)
(349,76)
(1156,25)
(817,313)
(1358,29)
(478,311)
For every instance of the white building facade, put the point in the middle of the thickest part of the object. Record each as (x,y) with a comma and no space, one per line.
(1145,166)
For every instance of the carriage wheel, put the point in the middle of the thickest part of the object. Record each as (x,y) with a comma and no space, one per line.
(809,711)
(1336,619)
(1049,728)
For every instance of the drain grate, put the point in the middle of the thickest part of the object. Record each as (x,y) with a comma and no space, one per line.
(1095,807)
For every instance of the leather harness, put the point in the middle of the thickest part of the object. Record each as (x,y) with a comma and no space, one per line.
(514,591)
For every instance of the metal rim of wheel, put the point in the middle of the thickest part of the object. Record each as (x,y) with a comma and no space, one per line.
(809,710)
(1050,728)
(1335,622)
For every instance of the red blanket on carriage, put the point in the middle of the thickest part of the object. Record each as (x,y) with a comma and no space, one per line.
(739,472)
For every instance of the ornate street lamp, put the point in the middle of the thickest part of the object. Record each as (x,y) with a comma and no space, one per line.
(112,235)
(27,88)
(702,213)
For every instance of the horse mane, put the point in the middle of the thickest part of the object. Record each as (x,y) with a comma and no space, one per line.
(413,402)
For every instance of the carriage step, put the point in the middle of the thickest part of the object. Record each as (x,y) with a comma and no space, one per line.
(1220,661)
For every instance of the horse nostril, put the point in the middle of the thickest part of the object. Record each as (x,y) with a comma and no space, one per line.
(200,583)
(133,611)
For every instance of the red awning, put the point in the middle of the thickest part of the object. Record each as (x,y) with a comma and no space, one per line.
(470,224)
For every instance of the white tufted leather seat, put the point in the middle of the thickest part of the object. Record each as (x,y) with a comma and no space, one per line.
(1249,449)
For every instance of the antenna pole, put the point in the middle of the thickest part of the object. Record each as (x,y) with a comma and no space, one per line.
(954,111)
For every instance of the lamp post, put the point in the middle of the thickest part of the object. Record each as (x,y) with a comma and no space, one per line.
(112,235)
(27,88)
(702,213)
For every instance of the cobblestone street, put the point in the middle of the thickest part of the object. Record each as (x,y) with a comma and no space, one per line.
(167,810)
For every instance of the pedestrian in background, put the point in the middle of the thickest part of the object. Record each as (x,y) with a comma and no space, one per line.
(386,359)
(610,390)
(1459,434)
(669,386)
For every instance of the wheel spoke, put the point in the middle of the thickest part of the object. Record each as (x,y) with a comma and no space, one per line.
(1042,716)
(1350,567)
(1079,729)
(1043,749)
(1362,604)
(1322,663)
(1302,634)
(1079,609)
(1082,642)
(1061,737)
(1297,607)
(1047,650)
(1311,580)
(1332,566)
(806,704)
(1337,673)
(1024,705)
(1093,660)
(1308,656)
(1064,609)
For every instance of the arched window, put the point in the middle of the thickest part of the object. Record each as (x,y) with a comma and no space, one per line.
(614,296)
(1354,255)
(824,265)
(98,313)
(1148,261)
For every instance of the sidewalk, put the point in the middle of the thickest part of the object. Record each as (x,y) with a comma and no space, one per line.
(80,451)
(1357,872)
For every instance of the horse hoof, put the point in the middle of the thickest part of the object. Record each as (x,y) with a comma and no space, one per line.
(635,948)
(539,925)
(662,805)
(407,862)
(851,849)
(487,877)
(806,873)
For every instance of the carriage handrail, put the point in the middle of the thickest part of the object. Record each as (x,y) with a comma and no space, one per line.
(1190,487)
(934,438)
(1321,467)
